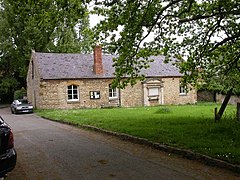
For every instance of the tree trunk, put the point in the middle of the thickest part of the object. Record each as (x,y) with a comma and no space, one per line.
(214,96)
(224,105)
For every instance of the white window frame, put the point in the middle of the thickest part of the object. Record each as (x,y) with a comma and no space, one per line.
(94,94)
(74,91)
(182,90)
(113,92)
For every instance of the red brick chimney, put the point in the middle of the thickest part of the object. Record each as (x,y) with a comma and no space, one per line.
(98,66)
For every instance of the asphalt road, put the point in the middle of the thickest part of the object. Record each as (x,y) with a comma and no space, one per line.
(51,150)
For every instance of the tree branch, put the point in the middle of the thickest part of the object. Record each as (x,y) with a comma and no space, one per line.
(236,36)
(188,9)
(209,34)
(106,3)
(156,20)
(198,17)
(231,64)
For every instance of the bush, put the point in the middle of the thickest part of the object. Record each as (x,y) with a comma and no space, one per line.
(163,110)
(20,94)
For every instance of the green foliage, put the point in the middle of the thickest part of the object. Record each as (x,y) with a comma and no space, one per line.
(20,94)
(45,26)
(163,110)
(7,85)
(186,126)
(204,35)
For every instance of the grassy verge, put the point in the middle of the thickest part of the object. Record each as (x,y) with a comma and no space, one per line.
(186,126)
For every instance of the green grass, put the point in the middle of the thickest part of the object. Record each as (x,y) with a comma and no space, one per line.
(185,126)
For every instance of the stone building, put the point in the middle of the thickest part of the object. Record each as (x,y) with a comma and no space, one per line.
(65,81)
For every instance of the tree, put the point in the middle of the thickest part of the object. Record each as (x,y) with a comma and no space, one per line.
(73,39)
(204,35)
(45,26)
(20,93)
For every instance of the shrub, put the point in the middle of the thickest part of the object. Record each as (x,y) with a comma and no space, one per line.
(20,94)
(163,110)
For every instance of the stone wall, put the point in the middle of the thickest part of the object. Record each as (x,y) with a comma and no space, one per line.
(54,93)
(33,82)
(132,96)
(172,94)
(233,100)
(206,96)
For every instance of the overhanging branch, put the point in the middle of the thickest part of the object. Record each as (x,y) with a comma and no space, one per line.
(230,38)
(156,20)
(199,17)
(106,3)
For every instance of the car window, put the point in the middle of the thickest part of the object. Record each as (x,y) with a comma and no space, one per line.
(22,101)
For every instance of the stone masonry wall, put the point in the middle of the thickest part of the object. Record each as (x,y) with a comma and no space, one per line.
(233,100)
(30,87)
(172,95)
(52,94)
(33,82)
(132,96)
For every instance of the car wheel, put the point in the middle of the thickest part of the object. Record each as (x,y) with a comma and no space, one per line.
(12,113)
(15,111)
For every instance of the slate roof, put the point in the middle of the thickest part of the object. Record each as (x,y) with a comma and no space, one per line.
(71,66)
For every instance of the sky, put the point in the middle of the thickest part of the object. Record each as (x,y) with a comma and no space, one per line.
(94,19)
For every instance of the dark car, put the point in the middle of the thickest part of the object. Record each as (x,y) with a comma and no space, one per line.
(21,106)
(8,156)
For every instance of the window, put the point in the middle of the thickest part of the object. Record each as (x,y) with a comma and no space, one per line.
(112,92)
(73,94)
(153,91)
(94,94)
(182,90)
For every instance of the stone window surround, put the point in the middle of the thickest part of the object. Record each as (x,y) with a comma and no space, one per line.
(153,83)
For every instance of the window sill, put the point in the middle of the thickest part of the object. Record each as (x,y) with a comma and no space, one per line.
(113,98)
(73,101)
(153,98)
(183,94)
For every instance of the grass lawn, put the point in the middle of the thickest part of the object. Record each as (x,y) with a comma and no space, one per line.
(185,126)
